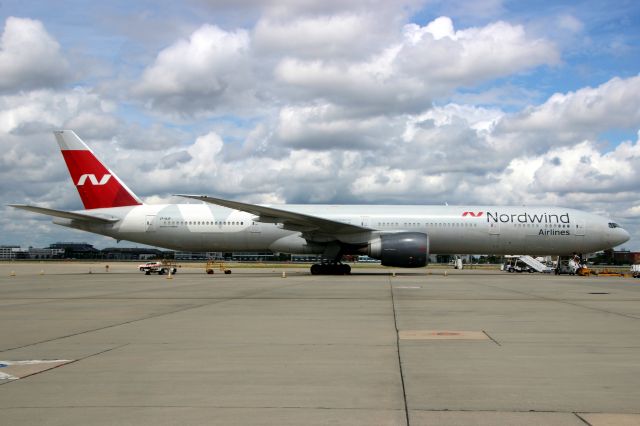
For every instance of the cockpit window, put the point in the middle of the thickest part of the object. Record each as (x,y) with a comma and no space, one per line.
(613,225)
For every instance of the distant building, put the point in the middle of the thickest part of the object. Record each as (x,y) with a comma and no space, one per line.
(305,258)
(238,256)
(252,257)
(11,252)
(74,250)
(46,253)
(620,257)
(134,253)
(77,250)
(624,256)
(197,255)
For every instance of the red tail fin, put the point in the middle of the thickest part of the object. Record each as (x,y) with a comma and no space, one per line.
(98,186)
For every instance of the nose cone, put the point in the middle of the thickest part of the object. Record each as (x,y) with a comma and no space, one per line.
(624,236)
(620,236)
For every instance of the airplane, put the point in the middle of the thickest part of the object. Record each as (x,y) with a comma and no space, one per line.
(397,235)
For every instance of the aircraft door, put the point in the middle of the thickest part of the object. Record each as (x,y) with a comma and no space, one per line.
(494,234)
(364,221)
(150,223)
(580,235)
(255,227)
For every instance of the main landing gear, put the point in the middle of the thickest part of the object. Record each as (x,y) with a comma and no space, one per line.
(330,268)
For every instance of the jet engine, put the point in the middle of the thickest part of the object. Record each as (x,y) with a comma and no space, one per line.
(404,249)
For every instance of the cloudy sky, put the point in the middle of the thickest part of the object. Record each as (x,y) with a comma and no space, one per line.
(334,101)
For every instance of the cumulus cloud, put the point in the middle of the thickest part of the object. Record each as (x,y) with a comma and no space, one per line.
(321,102)
(346,35)
(615,103)
(426,62)
(201,73)
(580,175)
(453,58)
(324,127)
(46,109)
(568,118)
(341,59)
(31,170)
(294,8)
(29,57)
(582,168)
(310,36)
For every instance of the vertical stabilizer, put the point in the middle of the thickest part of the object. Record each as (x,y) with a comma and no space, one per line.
(98,186)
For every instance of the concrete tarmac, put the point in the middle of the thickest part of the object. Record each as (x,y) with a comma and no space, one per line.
(254,348)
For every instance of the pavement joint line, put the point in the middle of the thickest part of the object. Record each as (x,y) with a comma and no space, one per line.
(51,299)
(395,325)
(221,299)
(566,302)
(217,301)
(126,293)
(582,419)
(522,411)
(518,406)
(73,361)
(492,339)
(216,407)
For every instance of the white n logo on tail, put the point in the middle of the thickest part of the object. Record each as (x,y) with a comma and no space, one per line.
(93,179)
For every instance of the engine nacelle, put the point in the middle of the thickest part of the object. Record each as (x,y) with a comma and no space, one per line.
(404,249)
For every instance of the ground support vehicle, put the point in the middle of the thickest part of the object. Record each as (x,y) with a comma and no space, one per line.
(160,267)
(212,265)
(567,266)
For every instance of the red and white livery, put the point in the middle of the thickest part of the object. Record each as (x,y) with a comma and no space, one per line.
(397,235)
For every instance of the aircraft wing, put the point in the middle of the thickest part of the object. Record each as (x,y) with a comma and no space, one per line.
(291,220)
(64,214)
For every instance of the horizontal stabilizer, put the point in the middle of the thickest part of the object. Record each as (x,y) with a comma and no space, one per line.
(64,214)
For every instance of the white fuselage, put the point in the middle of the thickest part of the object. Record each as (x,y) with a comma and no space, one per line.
(451,229)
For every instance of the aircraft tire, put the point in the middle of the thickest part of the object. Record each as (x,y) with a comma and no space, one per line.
(330,269)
